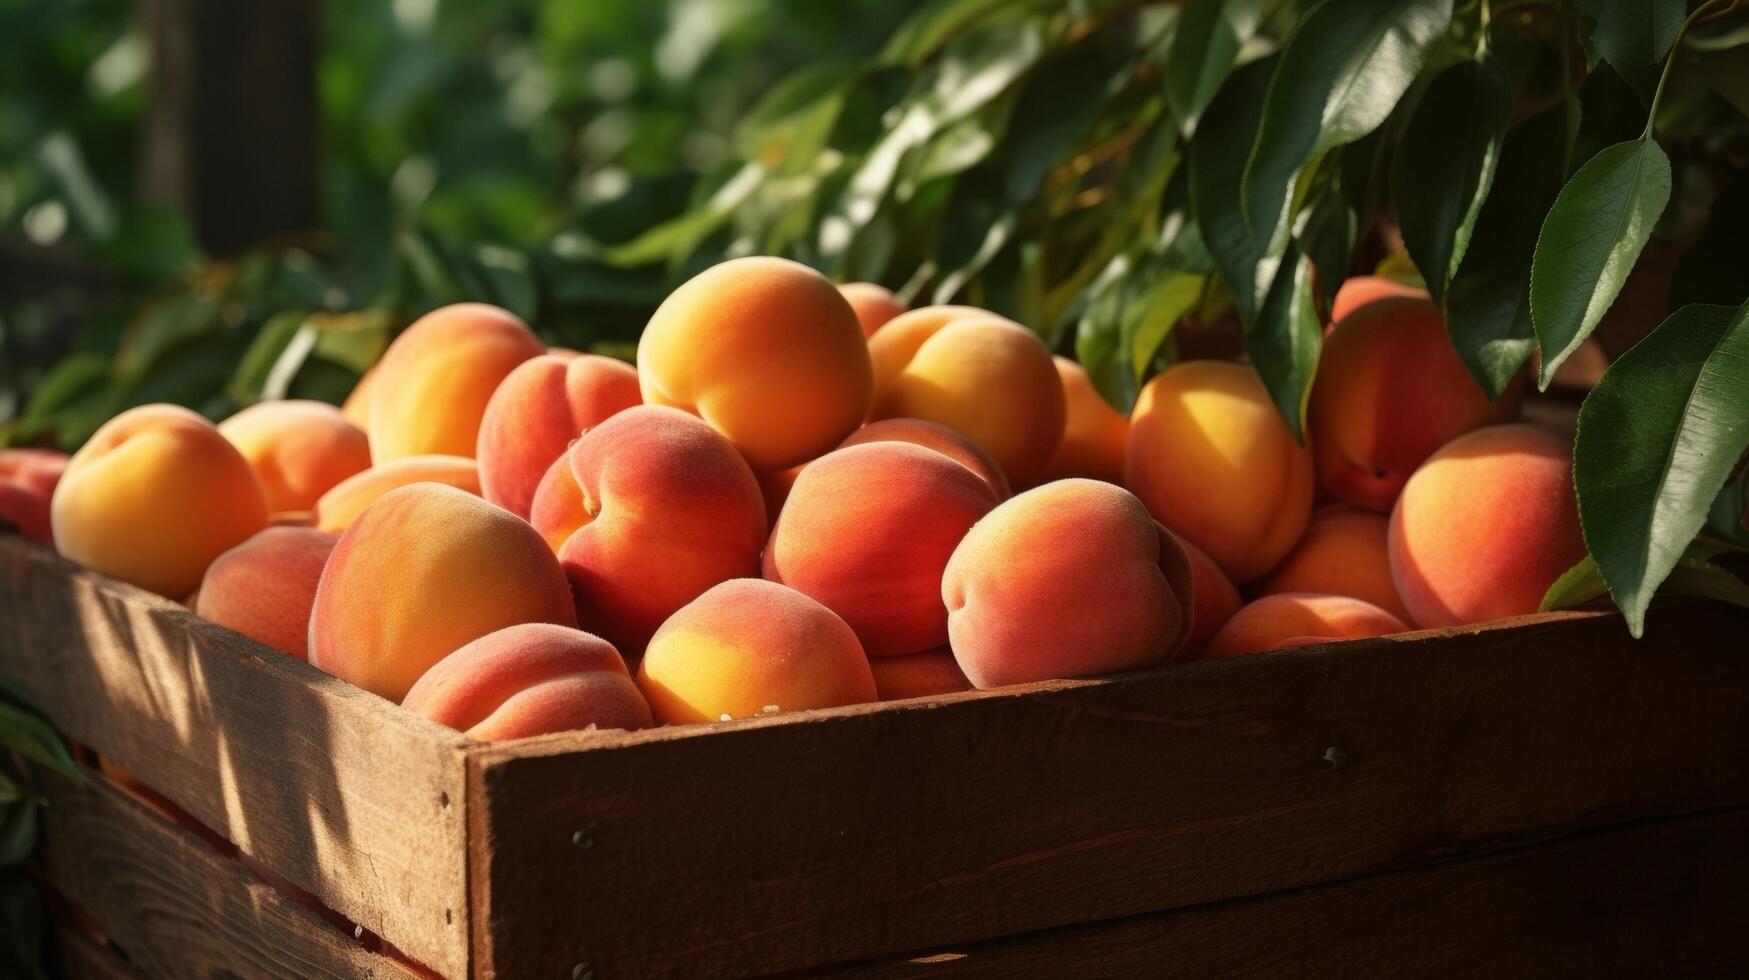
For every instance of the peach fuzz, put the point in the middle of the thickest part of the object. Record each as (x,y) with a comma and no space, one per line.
(299,450)
(341,505)
(749,647)
(897,342)
(646,512)
(1295,619)
(767,351)
(1070,579)
(994,382)
(1358,291)
(1214,599)
(265,587)
(1343,552)
(421,573)
(530,679)
(1390,389)
(868,530)
(918,675)
(874,304)
(536,413)
(1485,526)
(153,497)
(431,388)
(1214,462)
(934,435)
(1095,435)
(27,484)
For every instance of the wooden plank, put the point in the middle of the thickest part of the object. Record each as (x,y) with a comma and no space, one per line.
(1667,898)
(85,958)
(176,908)
(341,792)
(795,841)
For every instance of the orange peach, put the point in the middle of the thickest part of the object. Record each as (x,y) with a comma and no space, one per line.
(337,508)
(1214,599)
(1214,462)
(774,486)
(1485,526)
(867,531)
(536,413)
(530,679)
(265,587)
(1390,390)
(897,342)
(1067,580)
(767,351)
(934,435)
(356,407)
(1288,620)
(1358,291)
(874,305)
(299,449)
(425,570)
(27,484)
(646,512)
(749,647)
(918,675)
(1343,552)
(432,385)
(1095,435)
(153,497)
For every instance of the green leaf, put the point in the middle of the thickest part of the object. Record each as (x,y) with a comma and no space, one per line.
(1590,242)
(1326,232)
(1694,575)
(18,822)
(1217,164)
(1636,34)
(23,936)
(1445,165)
(27,733)
(249,381)
(1657,439)
(1285,340)
(1577,585)
(1203,52)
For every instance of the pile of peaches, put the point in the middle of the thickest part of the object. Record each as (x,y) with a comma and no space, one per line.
(806,496)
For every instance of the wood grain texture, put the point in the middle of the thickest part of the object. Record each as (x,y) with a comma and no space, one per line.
(341,792)
(823,837)
(85,958)
(1667,898)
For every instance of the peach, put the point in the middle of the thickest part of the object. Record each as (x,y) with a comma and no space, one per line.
(918,675)
(1485,526)
(1095,435)
(767,351)
(748,647)
(646,512)
(1358,291)
(1070,579)
(424,571)
(337,508)
(897,342)
(536,413)
(1214,599)
(867,531)
(1343,552)
(299,450)
(356,407)
(530,679)
(27,484)
(1295,619)
(153,497)
(265,587)
(874,304)
(433,383)
(1390,390)
(934,435)
(1214,462)
(774,486)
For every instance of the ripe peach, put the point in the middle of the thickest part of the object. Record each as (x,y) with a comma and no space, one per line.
(153,497)
(432,385)
(530,679)
(1390,390)
(1485,526)
(27,484)
(1214,600)
(897,342)
(748,647)
(265,587)
(299,449)
(774,486)
(536,413)
(918,675)
(1358,291)
(646,512)
(867,531)
(1067,580)
(767,351)
(1295,619)
(356,407)
(934,435)
(1095,435)
(337,508)
(874,305)
(1214,462)
(1343,552)
(422,572)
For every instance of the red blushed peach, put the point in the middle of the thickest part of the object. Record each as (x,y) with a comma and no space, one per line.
(341,505)
(867,531)
(27,484)
(874,305)
(265,587)
(767,351)
(432,385)
(1214,600)
(1485,526)
(1070,579)
(531,679)
(748,647)
(421,573)
(153,497)
(934,435)
(648,510)
(1358,291)
(1295,619)
(1342,553)
(1095,436)
(536,413)
(299,450)
(918,675)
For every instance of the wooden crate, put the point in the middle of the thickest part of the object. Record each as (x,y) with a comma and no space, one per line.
(1544,794)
